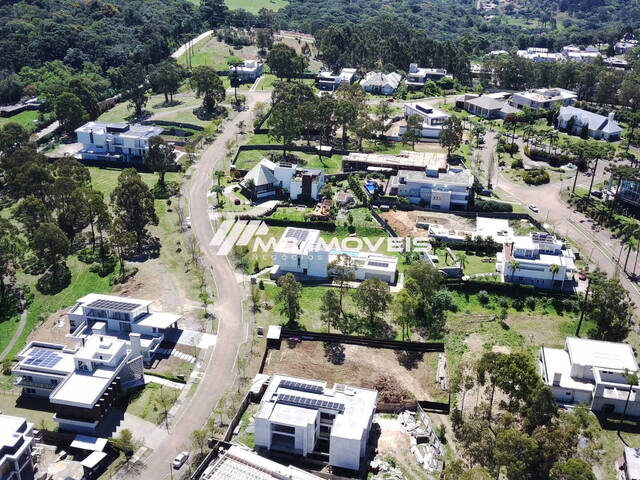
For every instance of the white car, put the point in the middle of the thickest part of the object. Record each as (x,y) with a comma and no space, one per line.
(180,459)
(187,221)
(533,208)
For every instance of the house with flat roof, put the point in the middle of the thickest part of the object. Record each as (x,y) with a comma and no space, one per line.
(577,54)
(269,179)
(238,463)
(599,126)
(117,142)
(488,106)
(405,160)
(543,98)
(296,414)
(530,260)
(124,318)
(302,251)
(432,118)
(592,372)
(628,465)
(331,81)
(16,445)
(539,55)
(417,76)
(379,83)
(249,71)
(448,190)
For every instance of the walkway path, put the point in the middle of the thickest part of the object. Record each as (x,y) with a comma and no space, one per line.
(16,335)
(183,48)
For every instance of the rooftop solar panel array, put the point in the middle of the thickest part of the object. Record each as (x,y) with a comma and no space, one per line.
(379,264)
(42,357)
(113,305)
(301,387)
(314,403)
(299,234)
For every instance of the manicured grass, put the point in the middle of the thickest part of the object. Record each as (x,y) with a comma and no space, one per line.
(254,6)
(39,412)
(474,264)
(146,402)
(294,214)
(214,53)
(27,119)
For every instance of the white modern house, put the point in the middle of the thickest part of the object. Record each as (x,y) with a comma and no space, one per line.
(599,126)
(118,142)
(432,118)
(296,413)
(238,463)
(249,71)
(124,318)
(543,98)
(577,54)
(530,260)
(270,178)
(16,445)
(380,83)
(405,160)
(112,339)
(592,372)
(331,81)
(417,76)
(539,55)
(449,190)
(302,251)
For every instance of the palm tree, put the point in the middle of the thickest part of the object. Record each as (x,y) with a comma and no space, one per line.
(554,269)
(514,265)
(462,260)
(632,380)
(553,137)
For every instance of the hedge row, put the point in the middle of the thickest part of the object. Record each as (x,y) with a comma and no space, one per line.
(491,206)
(280,222)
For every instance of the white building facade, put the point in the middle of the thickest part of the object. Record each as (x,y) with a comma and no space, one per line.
(592,372)
(295,413)
(302,251)
(529,260)
(417,76)
(16,445)
(249,71)
(331,82)
(448,190)
(598,126)
(432,118)
(379,83)
(543,98)
(121,142)
(274,179)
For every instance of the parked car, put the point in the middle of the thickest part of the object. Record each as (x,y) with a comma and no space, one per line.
(180,459)
(533,208)
(187,222)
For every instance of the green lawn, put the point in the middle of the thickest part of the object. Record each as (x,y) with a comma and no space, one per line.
(39,412)
(254,6)
(249,158)
(27,119)
(215,53)
(293,214)
(474,264)
(146,402)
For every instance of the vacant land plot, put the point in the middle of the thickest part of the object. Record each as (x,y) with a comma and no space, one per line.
(247,159)
(358,366)
(181,110)
(404,223)
(254,6)
(215,53)
(27,119)
(152,402)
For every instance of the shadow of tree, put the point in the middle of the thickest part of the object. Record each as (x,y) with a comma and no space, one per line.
(408,359)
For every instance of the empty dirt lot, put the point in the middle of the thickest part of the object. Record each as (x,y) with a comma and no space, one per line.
(404,223)
(358,366)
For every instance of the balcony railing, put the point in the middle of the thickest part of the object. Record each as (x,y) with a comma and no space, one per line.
(22,382)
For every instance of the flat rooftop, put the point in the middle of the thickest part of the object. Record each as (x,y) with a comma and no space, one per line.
(297,240)
(297,401)
(596,353)
(50,358)
(9,426)
(83,389)
(112,302)
(405,159)
(238,463)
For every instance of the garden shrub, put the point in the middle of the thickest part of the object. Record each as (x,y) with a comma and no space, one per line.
(530,302)
(483,297)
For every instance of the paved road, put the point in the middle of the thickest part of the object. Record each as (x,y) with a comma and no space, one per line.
(232,331)
(183,48)
(16,335)
(598,245)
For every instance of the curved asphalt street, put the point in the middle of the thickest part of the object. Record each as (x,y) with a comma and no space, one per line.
(220,373)
(599,246)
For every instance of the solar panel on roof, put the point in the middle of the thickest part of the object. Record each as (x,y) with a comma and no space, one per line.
(305,402)
(298,234)
(113,305)
(43,357)
(379,264)
(301,387)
